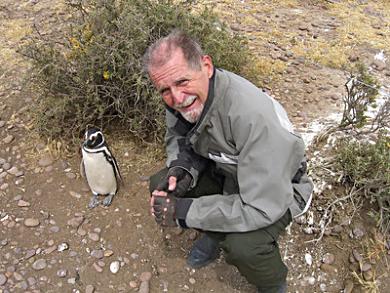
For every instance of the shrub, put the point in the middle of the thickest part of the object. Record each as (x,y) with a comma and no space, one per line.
(366,166)
(91,73)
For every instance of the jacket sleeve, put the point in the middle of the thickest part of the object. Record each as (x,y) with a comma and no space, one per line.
(268,156)
(179,151)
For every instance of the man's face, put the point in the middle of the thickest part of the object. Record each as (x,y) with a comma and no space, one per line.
(182,88)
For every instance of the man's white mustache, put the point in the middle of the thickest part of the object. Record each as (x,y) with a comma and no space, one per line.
(188,101)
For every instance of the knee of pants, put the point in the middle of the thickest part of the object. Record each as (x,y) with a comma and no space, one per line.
(257,257)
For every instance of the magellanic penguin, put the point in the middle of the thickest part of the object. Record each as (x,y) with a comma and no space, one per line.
(99,167)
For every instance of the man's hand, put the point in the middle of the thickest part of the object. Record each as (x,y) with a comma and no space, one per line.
(163,209)
(176,183)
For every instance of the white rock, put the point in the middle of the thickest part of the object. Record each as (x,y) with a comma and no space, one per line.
(114,267)
(308,259)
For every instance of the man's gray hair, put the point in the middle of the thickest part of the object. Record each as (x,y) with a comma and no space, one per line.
(161,51)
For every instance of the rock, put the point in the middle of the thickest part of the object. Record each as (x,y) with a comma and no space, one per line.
(97,253)
(358,232)
(348,287)
(39,264)
(93,236)
(45,161)
(337,229)
(97,267)
(30,253)
(353,57)
(89,289)
(63,246)
(2,123)
(22,203)
(358,257)
(328,258)
(108,253)
(6,166)
(378,65)
(368,275)
(145,276)
(365,267)
(70,175)
(75,194)
(31,222)
(76,222)
(192,281)
(8,139)
(328,268)
(114,267)
(3,279)
(61,273)
(133,284)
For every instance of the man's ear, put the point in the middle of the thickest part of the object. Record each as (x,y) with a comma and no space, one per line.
(208,65)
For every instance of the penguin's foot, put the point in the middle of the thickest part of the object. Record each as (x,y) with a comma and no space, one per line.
(94,202)
(107,201)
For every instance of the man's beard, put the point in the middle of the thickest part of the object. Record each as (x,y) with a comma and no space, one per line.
(193,115)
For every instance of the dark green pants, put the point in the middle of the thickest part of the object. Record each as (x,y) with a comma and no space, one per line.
(256,254)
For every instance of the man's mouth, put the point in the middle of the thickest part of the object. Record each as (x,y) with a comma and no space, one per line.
(187,103)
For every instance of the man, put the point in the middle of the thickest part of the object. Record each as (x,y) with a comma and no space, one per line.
(235,169)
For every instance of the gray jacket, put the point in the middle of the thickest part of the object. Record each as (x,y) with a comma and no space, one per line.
(249,137)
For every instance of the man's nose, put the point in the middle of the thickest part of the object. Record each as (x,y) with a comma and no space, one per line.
(177,95)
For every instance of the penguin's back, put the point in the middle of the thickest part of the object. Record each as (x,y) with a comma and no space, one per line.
(99,173)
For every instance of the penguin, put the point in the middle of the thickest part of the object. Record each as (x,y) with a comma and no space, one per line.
(99,167)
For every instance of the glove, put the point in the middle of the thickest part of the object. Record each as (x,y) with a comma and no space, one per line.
(183,182)
(164,210)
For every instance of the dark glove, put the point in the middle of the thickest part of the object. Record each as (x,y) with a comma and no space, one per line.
(183,182)
(164,210)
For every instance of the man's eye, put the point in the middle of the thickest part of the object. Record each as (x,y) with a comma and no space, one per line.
(164,91)
(182,82)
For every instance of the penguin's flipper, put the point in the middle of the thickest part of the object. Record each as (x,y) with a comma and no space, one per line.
(82,169)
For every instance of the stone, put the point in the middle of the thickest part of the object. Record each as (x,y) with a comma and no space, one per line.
(39,264)
(108,253)
(348,287)
(61,273)
(114,267)
(145,276)
(365,267)
(8,139)
(97,267)
(31,222)
(328,258)
(93,236)
(328,268)
(22,203)
(368,275)
(3,279)
(89,289)
(97,253)
(45,161)
(75,222)
(358,257)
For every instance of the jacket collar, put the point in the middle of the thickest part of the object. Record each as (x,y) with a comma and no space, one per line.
(217,88)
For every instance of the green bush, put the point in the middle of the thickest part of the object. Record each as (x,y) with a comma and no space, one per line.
(366,166)
(92,72)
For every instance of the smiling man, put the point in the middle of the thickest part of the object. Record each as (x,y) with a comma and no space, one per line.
(235,169)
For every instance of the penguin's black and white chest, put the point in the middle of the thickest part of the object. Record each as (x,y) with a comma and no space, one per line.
(100,172)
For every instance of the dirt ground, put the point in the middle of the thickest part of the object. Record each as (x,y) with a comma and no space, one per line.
(51,242)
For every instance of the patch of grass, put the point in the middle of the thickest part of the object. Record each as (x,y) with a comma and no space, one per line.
(364,23)
(366,166)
